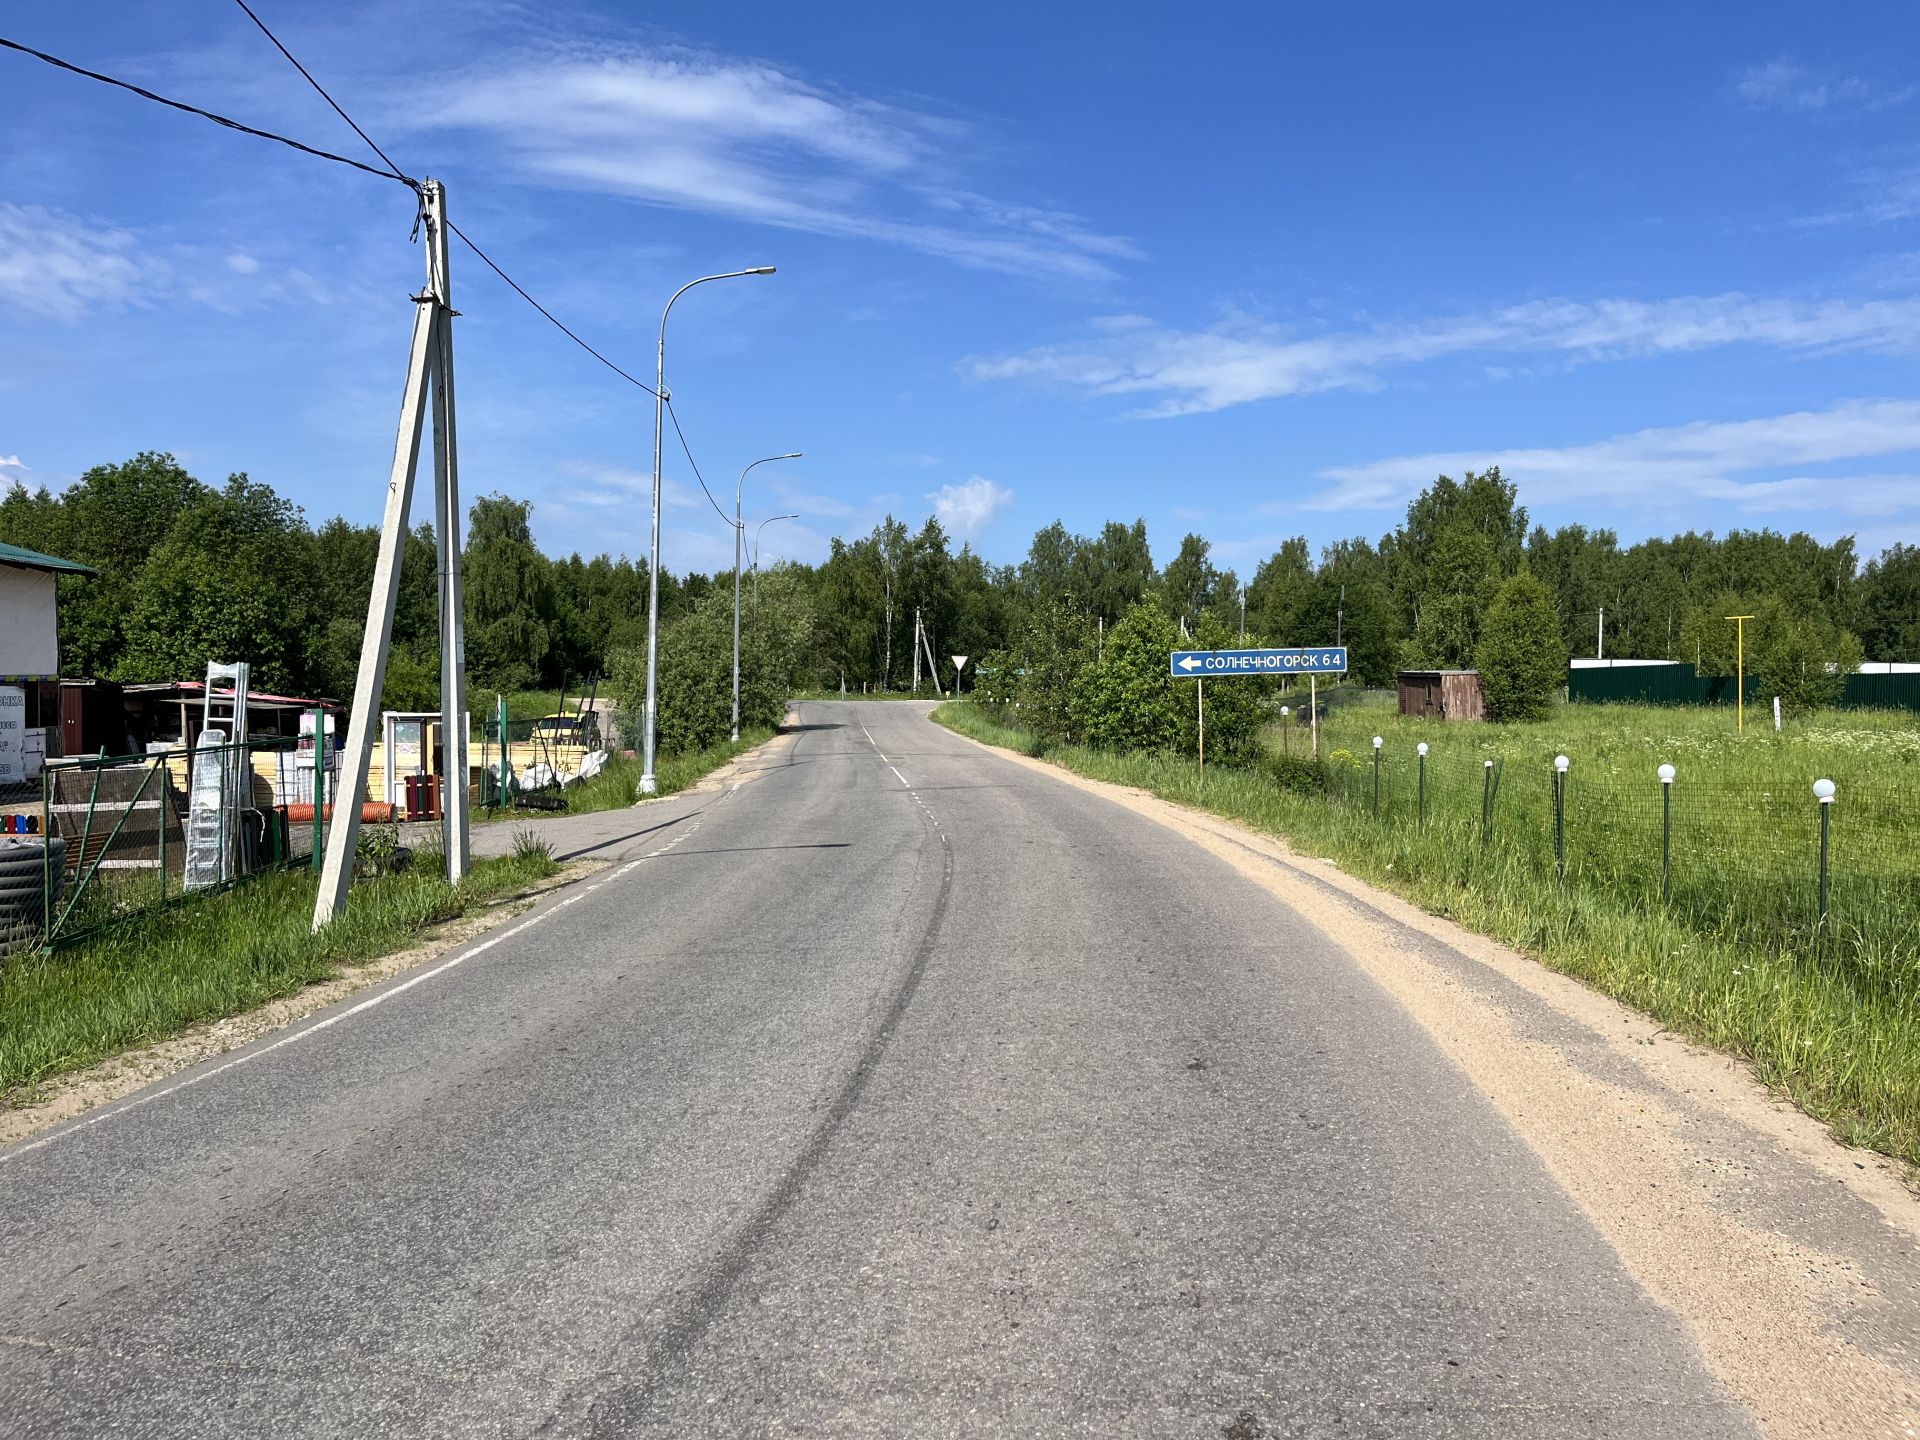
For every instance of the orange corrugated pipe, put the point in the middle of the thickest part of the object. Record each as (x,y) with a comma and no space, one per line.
(373,812)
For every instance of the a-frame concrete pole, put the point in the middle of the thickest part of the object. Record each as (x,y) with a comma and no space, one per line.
(446,532)
(343,835)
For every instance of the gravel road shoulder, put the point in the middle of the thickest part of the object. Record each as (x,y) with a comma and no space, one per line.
(1794,1260)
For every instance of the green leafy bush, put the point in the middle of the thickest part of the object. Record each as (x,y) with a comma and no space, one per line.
(1522,657)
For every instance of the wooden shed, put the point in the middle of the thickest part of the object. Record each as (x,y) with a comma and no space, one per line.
(1444,694)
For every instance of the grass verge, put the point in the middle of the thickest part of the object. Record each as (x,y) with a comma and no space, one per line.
(152,977)
(1841,1038)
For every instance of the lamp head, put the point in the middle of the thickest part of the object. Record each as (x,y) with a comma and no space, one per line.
(1376,742)
(1421,747)
(1560,763)
(761,270)
(1285,711)
(1667,772)
(1823,791)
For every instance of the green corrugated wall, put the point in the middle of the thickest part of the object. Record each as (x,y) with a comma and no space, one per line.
(1680,685)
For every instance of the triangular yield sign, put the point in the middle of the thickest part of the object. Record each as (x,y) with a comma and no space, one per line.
(959,663)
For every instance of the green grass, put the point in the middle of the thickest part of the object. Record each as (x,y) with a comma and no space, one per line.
(1734,960)
(154,975)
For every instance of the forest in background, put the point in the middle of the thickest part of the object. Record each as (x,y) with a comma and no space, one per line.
(191,571)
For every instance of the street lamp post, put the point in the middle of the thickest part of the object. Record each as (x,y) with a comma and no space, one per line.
(756,548)
(648,784)
(739,544)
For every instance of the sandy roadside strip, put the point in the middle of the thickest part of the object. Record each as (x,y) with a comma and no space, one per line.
(1794,1260)
(62,1097)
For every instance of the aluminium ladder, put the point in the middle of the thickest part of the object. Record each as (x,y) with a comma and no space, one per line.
(221,779)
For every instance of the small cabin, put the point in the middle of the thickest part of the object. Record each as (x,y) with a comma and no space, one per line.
(30,660)
(1442,694)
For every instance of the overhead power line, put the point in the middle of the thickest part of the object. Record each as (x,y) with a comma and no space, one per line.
(308,75)
(231,124)
(484,258)
(392,172)
(687,450)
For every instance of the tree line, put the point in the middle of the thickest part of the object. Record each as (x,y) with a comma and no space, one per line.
(191,571)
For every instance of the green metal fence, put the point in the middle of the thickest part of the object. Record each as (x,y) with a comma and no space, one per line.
(130,837)
(1681,685)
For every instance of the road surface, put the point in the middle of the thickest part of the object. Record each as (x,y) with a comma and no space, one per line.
(897,1091)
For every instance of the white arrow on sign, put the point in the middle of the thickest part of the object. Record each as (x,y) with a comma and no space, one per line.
(1189,664)
(959,663)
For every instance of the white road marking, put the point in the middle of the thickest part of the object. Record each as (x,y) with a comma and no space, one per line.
(898,776)
(298,1035)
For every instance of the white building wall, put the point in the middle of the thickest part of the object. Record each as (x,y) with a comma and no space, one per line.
(29,625)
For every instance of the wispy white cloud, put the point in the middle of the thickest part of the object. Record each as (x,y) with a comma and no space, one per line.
(967,509)
(12,462)
(1783,85)
(1196,371)
(744,139)
(59,266)
(1735,463)
(1881,196)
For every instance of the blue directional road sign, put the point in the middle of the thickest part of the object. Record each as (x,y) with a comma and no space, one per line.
(1312,660)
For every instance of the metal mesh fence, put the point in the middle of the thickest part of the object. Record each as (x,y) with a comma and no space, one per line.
(1739,859)
(535,760)
(120,835)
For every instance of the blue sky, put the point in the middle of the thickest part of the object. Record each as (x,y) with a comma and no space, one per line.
(1254,270)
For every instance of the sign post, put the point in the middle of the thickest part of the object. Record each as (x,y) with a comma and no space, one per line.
(959,664)
(1313,661)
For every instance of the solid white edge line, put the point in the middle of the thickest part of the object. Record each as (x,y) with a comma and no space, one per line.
(898,776)
(314,1029)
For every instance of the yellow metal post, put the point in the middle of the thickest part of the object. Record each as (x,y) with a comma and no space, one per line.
(1740,671)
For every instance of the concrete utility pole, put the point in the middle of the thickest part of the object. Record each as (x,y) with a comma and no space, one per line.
(916,649)
(740,544)
(1600,640)
(648,784)
(429,370)
(933,670)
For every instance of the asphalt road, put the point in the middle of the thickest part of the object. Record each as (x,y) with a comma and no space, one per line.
(900,1091)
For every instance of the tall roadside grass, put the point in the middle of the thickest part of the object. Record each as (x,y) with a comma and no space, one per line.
(153,976)
(1831,1020)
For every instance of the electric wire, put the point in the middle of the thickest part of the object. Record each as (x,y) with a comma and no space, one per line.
(392,172)
(487,260)
(321,89)
(482,255)
(231,124)
(687,450)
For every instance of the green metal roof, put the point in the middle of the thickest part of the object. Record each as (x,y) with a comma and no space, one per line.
(25,559)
